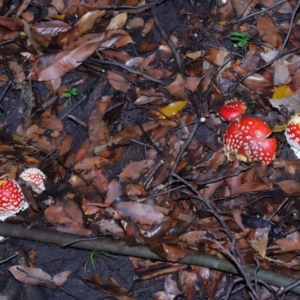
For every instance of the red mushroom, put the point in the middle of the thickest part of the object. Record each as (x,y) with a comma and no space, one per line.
(292,134)
(247,139)
(34,178)
(232,109)
(12,199)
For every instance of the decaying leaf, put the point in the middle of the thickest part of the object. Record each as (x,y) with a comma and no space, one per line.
(37,276)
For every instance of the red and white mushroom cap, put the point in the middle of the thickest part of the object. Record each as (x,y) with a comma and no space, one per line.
(292,134)
(247,139)
(232,109)
(34,178)
(12,199)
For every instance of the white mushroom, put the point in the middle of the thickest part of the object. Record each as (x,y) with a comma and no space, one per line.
(34,178)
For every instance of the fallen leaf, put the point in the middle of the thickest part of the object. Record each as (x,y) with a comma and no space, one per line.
(37,276)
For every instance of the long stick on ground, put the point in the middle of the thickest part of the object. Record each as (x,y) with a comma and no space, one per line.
(121,248)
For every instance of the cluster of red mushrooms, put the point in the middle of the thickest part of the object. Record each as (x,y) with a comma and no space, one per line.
(247,137)
(12,199)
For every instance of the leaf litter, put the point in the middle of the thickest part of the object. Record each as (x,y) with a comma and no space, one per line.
(142,160)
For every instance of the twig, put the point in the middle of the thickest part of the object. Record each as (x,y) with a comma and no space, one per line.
(148,139)
(239,264)
(179,156)
(247,279)
(152,172)
(241,19)
(167,38)
(98,62)
(290,29)
(7,259)
(120,7)
(264,66)
(83,179)
(4,90)
(73,107)
(289,287)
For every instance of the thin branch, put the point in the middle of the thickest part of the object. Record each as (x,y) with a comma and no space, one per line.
(290,29)
(179,156)
(264,66)
(241,19)
(167,38)
(99,62)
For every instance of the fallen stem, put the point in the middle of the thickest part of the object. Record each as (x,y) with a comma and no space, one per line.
(123,248)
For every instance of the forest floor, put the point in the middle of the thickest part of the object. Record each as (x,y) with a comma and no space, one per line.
(122,105)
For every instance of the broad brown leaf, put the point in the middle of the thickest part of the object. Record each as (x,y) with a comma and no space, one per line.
(268,31)
(52,66)
(37,276)
(136,169)
(118,82)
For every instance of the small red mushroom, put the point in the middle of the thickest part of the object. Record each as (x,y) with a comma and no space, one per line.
(232,109)
(12,199)
(247,139)
(292,134)
(34,178)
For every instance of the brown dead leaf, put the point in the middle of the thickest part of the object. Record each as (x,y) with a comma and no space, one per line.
(86,22)
(268,31)
(52,27)
(118,82)
(90,163)
(111,288)
(149,25)
(238,219)
(134,189)
(120,56)
(288,244)
(86,150)
(50,123)
(244,7)
(124,136)
(192,238)
(65,212)
(52,66)
(137,212)
(290,187)
(135,22)
(11,23)
(114,191)
(177,87)
(98,130)
(136,169)
(189,283)
(17,69)
(37,276)
(175,252)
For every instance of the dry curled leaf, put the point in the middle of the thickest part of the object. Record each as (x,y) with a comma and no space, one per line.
(37,276)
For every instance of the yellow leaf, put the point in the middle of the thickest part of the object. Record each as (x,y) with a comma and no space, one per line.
(172,109)
(282,91)
(279,127)
(57,17)
(118,21)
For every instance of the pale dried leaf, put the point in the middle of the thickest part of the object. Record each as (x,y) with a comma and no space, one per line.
(118,21)
(32,276)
